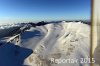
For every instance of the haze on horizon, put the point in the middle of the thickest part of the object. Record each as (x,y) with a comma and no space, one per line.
(13,11)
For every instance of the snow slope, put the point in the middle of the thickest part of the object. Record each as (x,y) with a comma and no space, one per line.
(56,40)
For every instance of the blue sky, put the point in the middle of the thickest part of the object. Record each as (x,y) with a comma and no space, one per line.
(47,10)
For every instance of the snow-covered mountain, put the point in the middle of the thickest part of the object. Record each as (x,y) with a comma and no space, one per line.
(39,45)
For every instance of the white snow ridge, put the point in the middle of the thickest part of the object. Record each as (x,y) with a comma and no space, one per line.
(56,44)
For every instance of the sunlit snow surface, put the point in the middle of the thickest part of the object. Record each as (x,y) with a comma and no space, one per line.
(56,40)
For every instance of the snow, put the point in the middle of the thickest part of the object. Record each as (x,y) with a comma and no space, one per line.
(55,40)
(5,32)
(12,55)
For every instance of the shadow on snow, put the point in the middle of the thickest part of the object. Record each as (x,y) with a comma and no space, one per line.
(13,55)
